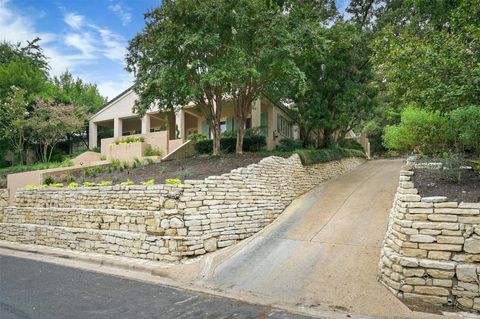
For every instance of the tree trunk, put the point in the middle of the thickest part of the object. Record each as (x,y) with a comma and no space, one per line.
(216,138)
(240,133)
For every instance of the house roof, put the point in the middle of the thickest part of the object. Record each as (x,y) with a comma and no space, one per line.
(110,103)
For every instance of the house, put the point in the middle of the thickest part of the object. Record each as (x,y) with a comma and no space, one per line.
(169,131)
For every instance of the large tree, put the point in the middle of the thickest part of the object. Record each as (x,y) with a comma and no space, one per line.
(428,53)
(209,52)
(14,122)
(340,91)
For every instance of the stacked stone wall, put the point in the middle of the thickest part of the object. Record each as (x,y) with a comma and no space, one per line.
(431,251)
(164,222)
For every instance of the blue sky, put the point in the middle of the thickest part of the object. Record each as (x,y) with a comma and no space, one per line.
(87,37)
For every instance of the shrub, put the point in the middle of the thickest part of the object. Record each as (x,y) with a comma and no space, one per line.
(72,185)
(288,145)
(149,183)
(464,128)
(228,144)
(67,177)
(419,130)
(96,149)
(197,137)
(150,151)
(128,140)
(171,181)
(48,180)
(314,156)
(89,184)
(229,134)
(105,183)
(126,183)
(452,167)
(350,143)
(56,185)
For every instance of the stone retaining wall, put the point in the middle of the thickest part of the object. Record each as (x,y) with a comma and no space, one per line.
(431,251)
(164,222)
(4,196)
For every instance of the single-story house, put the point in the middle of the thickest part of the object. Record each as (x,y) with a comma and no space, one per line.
(168,131)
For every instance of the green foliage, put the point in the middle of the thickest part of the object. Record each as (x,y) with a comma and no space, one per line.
(452,167)
(105,183)
(49,179)
(119,165)
(65,89)
(197,137)
(126,183)
(149,182)
(464,128)
(56,185)
(72,185)
(288,145)
(96,149)
(171,181)
(89,184)
(314,156)
(185,174)
(68,177)
(350,143)
(92,171)
(129,140)
(150,151)
(427,53)
(228,144)
(419,130)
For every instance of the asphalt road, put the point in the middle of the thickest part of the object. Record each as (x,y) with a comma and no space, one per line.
(32,289)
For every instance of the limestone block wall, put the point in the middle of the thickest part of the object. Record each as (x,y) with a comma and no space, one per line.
(431,251)
(164,222)
(4,196)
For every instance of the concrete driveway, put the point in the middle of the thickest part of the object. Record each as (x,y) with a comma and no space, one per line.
(323,251)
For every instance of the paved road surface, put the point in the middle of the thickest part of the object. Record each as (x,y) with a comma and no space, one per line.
(32,289)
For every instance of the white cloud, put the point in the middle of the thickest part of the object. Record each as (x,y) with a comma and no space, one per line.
(74,20)
(84,42)
(87,45)
(115,46)
(122,12)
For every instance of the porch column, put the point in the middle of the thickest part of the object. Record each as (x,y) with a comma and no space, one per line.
(117,127)
(146,124)
(257,113)
(180,123)
(92,135)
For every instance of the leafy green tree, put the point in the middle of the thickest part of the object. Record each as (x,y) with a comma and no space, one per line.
(23,67)
(340,90)
(65,89)
(50,124)
(419,130)
(429,54)
(13,121)
(464,128)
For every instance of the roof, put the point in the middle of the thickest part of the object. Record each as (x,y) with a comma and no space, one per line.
(109,103)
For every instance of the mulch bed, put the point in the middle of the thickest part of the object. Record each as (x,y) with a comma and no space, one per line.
(198,167)
(429,182)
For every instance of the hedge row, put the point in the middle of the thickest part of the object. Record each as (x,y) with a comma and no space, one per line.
(229,144)
(314,156)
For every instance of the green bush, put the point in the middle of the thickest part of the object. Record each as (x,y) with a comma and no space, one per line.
(419,130)
(105,183)
(72,185)
(89,184)
(49,179)
(126,183)
(288,145)
(173,181)
(197,137)
(229,144)
(149,182)
(150,151)
(464,128)
(314,156)
(350,143)
(68,177)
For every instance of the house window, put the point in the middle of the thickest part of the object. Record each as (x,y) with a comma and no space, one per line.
(223,126)
(248,123)
(284,127)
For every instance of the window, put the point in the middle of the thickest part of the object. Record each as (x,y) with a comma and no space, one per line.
(284,127)
(223,126)
(248,123)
